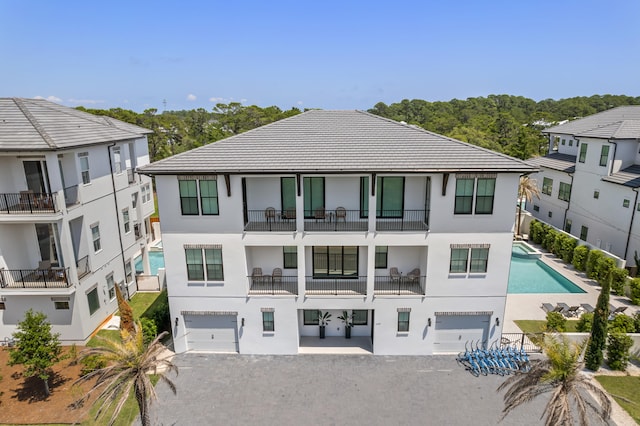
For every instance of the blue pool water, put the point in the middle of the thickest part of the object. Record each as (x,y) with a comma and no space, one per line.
(533,276)
(156,260)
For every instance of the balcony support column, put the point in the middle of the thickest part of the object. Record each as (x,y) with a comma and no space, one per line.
(372,203)
(302,270)
(371,270)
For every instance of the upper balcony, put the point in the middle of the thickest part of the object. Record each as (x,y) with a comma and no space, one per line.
(49,277)
(28,202)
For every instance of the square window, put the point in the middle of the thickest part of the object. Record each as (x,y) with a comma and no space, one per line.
(596,194)
(536,208)
(93,300)
(381,257)
(403,321)
(311,317)
(290,257)
(61,305)
(625,203)
(550,214)
(267,321)
(360,316)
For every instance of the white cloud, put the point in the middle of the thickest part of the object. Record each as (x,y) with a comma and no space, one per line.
(85,101)
(191,97)
(300,102)
(49,98)
(243,100)
(214,99)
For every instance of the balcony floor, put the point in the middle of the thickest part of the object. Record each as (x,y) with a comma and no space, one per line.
(357,345)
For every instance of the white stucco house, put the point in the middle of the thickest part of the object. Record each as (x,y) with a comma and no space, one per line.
(589,182)
(73,214)
(408,231)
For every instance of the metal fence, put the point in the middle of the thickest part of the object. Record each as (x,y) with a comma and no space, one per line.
(526,341)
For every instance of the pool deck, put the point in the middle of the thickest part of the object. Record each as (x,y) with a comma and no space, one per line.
(529,306)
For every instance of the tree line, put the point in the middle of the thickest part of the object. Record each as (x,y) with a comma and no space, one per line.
(503,123)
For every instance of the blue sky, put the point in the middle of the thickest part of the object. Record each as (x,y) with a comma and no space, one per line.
(315,54)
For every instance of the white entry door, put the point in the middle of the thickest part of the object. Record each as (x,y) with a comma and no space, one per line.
(453,331)
(211,333)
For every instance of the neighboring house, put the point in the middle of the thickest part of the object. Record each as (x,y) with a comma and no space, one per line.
(589,183)
(407,230)
(73,213)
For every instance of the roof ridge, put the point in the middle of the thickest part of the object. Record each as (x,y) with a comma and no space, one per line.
(36,125)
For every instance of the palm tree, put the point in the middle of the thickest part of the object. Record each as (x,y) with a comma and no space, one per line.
(129,364)
(560,373)
(528,188)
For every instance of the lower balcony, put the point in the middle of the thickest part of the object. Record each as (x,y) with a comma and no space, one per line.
(34,278)
(405,285)
(342,286)
(273,285)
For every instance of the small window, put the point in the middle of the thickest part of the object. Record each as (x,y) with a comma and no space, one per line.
(583,233)
(458,262)
(127,271)
(311,317)
(209,197)
(403,321)
(583,153)
(536,208)
(95,236)
(61,305)
(381,257)
(84,167)
(567,226)
(146,193)
(564,193)
(570,142)
(638,207)
(111,286)
(550,214)
(547,186)
(360,316)
(134,200)
(625,203)
(290,257)
(195,268)
(464,196)
(596,194)
(479,260)
(125,221)
(604,155)
(484,195)
(117,160)
(188,197)
(2,306)
(563,141)
(267,321)
(93,300)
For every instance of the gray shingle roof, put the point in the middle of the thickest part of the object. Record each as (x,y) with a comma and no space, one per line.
(562,162)
(627,177)
(40,125)
(336,141)
(617,123)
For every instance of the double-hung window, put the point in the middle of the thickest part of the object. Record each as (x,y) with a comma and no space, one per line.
(198,195)
(403,319)
(268,323)
(111,286)
(127,271)
(84,167)
(117,160)
(604,155)
(125,221)
(469,258)
(584,231)
(583,153)
(204,263)
(564,193)
(547,186)
(95,236)
(484,188)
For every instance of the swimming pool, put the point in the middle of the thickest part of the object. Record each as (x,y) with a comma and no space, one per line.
(531,275)
(156,260)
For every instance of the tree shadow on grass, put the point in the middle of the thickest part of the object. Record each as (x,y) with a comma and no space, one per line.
(32,389)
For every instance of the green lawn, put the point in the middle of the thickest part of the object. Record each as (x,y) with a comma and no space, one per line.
(625,390)
(538,326)
(155,205)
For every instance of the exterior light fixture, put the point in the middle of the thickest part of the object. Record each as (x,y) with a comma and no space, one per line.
(497,322)
(428,322)
(177,319)
(242,322)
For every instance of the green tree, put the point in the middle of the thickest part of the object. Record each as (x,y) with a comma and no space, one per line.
(128,365)
(598,339)
(37,349)
(527,189)
(560,375)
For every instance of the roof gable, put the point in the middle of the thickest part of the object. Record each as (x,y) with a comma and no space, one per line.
(617,123)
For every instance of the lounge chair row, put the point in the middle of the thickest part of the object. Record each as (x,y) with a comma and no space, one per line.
(574,311)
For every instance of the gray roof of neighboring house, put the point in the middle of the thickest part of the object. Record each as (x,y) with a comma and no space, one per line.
(40,125)
(339,142)
(562,162)
(627,177)
(617,123)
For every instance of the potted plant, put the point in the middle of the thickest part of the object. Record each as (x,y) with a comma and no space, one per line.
(323,319)
(347,320)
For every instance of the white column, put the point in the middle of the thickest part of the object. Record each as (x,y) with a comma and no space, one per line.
(372,204)
(371,269)
(302,270)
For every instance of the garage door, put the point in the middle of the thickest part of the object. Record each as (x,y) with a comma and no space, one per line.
(452,331)
(211,333)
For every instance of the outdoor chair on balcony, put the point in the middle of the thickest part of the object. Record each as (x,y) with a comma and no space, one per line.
(319,214)
(414,276)
(256,276)
(270,214)
(341,213)
(289,214)
(394,275)
(27,200)
(276,276)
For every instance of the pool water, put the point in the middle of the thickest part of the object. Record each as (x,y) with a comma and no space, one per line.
(533,276)
(156,261)
(519,249)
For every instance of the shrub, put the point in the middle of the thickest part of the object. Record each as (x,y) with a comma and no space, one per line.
(549,238)
(618,348)
(604,267)
(636,321)
(585,322)
(634,285)
(622,324)
(535,229)
(598,341)
(592,261)
(149,329)
(92,363)
(557,243)
(159,312)
(568,246)
(619,280)
(580,255)
(556,322)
